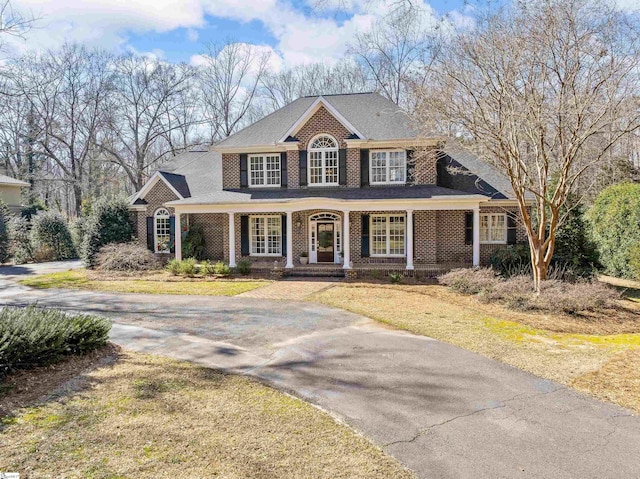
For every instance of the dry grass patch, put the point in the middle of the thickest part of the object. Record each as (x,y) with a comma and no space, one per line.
(151,417)
(561,348)
(152,283)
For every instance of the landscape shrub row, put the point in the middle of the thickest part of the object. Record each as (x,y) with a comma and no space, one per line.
(517,292)
(190,267)
(33,336)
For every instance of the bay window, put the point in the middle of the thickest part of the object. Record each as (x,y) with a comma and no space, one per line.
(266,236)
(388,234)
(388,167)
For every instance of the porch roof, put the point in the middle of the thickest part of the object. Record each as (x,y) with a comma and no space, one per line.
(277,195)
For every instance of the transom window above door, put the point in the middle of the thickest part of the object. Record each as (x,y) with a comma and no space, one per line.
(323,161)
(388,167)
(264,170)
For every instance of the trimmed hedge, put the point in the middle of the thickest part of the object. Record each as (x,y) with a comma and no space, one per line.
(32,336)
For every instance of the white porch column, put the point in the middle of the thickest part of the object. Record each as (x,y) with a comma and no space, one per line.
(346,241)
(178,236)
(409,233)
(289,264)
(232,240)
(476,236)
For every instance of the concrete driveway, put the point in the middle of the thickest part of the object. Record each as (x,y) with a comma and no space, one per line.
(442,411)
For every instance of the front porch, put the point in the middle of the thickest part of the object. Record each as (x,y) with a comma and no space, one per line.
(323,241)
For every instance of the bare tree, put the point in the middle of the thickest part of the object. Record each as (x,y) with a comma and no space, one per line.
(13,23)
(286,86)
(543,90)
(229,81)
(67,92)
(151,113)
(399,50)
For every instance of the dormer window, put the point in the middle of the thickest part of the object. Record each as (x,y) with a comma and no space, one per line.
(388,167)
(323,161)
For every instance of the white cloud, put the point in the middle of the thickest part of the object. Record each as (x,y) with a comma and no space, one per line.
(299,38)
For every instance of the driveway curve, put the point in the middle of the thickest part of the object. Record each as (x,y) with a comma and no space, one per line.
(442,411)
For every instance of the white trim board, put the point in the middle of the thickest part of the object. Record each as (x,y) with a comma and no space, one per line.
(315,106)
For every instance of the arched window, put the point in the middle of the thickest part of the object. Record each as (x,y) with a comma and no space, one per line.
(162,230)
(323,161)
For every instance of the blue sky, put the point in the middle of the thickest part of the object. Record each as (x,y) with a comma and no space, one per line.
(178,30)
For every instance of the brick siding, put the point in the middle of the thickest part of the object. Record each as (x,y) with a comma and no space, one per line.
(231,171)
(156,198)
(322,122)
(214,226)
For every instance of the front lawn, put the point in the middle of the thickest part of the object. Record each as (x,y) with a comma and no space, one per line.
(158,283)
(599,356)
(135,415)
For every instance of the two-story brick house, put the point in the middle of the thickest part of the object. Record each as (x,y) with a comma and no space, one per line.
(342,178)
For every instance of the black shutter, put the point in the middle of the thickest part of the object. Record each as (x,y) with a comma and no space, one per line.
(244,235)
(364,167)
(284,235)
(468,228)
(284,176)
(244,177)
(511,229)
(150,235)
(342,166)
(303,168)
(414,235)
(365,237)
(411,167)
(172,234)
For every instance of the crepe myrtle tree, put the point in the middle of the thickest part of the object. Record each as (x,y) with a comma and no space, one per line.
(544,90)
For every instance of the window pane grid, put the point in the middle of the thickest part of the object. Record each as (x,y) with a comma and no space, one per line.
(264,170)
(388,167)
(388,235)
(323,161)
(266,235)
(493,228)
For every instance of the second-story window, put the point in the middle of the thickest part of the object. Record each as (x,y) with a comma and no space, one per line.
(388,167)
(264,170)
(323,161)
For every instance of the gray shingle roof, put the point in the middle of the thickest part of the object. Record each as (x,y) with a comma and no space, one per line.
(372,193)
(370,113)
(490,182)
(7,180)
(194,173)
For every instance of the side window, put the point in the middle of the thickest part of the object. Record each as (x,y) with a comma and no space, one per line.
(264,170)
(162,230)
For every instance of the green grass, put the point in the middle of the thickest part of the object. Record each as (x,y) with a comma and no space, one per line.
(77,279)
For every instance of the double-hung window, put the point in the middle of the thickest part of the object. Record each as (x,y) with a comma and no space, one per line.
(388,234)
(266,236)
(493,228)
(323,162)
(388,167)
(264,170)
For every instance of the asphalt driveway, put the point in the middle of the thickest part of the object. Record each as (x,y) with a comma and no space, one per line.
(443,411)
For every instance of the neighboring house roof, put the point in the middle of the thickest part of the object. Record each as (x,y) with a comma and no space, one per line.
(370,114)
(7,180)
(483,179)
(373,193)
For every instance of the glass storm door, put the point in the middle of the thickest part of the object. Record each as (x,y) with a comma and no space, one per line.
(325,243)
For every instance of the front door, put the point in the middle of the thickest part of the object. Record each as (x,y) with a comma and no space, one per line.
(325,243)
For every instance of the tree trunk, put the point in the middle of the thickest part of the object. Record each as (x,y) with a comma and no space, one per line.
(77,194)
